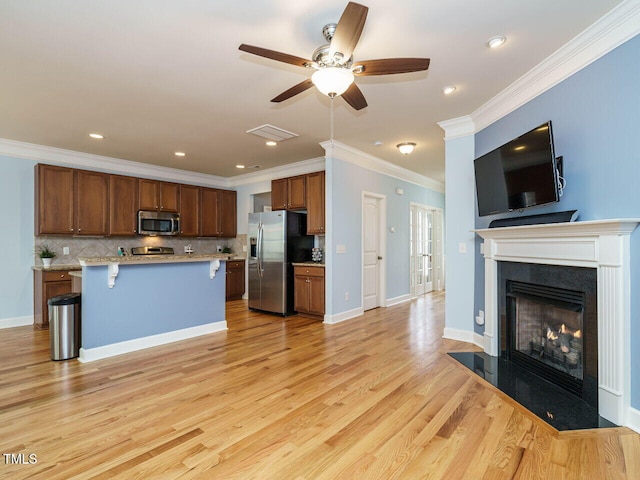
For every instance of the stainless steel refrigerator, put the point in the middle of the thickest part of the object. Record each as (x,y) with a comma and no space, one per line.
(276,239)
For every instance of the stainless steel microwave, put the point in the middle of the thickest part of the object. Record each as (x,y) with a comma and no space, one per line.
(158,223)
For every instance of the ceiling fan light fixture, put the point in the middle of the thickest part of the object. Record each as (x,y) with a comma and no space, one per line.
(271,143)
(406,147)
(332,81)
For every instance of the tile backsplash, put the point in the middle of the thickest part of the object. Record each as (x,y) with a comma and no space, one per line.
(108,246)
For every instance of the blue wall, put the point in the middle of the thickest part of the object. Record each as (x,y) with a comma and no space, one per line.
(347,182)
(148,300)
(596,125)
(16,240)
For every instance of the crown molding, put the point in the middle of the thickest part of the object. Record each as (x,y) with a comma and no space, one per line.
(340,151)
(289,170)
(71,158)
(457,127)
(612,30)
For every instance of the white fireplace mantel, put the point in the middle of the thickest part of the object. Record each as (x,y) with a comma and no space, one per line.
(600,244)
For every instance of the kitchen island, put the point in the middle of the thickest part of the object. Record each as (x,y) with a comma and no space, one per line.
(134,302)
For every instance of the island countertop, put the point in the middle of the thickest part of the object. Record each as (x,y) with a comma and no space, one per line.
(148,259)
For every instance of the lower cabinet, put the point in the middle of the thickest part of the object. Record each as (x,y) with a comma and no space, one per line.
(47,284)
(308,285)
(235,279)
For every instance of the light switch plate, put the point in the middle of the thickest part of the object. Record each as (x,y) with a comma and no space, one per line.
(341,249)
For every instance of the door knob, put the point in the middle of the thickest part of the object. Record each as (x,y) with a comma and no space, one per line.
(379,257)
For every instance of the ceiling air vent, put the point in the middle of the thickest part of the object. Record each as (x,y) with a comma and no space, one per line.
(272,133)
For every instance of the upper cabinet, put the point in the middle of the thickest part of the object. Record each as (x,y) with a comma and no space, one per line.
(80,202)
(315,203)
(289,193)
(54,200)
(123,205)
(71,202)
(160,196)
(218,213)
(92,203)
(302,192)
(189,211)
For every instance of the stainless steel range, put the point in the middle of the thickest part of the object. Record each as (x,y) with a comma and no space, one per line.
(152,251)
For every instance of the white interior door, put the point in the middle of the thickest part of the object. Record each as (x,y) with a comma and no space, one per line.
(372,251)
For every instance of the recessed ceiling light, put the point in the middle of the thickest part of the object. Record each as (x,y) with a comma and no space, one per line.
(378,143)
(495,42)
(96,135)
(449,89)
(239,166)
(271,143)
(180,154)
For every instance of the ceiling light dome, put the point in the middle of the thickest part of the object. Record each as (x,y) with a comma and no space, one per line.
(332,81)
(406,147)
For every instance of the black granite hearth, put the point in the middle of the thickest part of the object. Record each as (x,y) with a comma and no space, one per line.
(559,408)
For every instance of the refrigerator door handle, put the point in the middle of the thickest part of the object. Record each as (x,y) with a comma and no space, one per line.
(259,250)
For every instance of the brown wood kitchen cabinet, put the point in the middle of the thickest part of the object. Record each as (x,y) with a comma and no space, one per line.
(315,203)
(235,279)
(71,202)
(189,211)
(54,202)
(159,196)
(123,205)
(308,285)
(289,193)
(218,214)
(47,284)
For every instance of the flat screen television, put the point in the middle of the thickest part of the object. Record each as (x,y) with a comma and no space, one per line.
(520,174)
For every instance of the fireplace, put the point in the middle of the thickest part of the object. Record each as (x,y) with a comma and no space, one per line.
(601,247)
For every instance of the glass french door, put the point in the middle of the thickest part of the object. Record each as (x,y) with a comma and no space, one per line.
(421,250)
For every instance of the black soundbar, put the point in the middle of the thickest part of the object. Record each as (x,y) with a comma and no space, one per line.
(555,217)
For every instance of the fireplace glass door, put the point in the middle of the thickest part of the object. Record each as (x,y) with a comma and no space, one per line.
(547,332)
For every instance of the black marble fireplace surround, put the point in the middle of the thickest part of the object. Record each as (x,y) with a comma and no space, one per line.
(554,375)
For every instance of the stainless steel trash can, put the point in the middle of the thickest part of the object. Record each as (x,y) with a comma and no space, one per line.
(64,326)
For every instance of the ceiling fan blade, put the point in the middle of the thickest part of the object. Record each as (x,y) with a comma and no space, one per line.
(273,55)
(348,30)
(295,90)
(354,97)
(388,66)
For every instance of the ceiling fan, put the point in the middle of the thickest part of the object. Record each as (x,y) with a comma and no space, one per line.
(333,63)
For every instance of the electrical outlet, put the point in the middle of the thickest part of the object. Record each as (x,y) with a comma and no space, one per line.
(65,250)
(462,247)
(346,296)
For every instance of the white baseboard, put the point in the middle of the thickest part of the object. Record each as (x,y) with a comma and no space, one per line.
(463,336)
(128,346)
(16,322)
(633,419)
(398,300)
(341,317)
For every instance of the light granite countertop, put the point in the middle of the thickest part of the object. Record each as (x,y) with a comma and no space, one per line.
(307,264)
(58,267)
(149,259)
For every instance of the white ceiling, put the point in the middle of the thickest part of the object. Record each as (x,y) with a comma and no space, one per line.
(156,77)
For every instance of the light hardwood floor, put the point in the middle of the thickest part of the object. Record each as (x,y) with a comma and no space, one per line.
(271,398)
